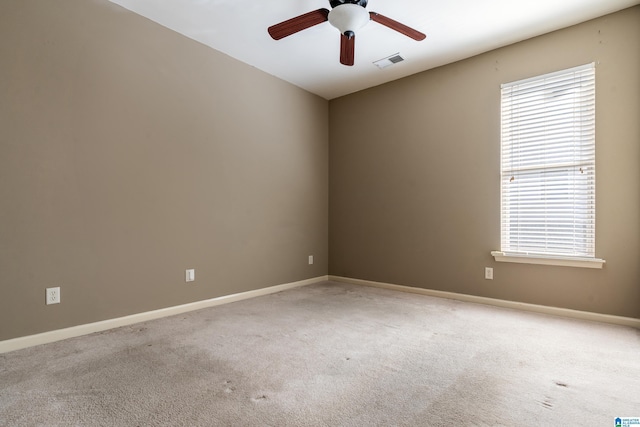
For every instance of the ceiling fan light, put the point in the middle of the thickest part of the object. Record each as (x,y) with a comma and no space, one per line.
(348,17)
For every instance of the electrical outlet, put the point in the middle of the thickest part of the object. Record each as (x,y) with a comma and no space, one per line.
(310,259)
(53,295)
(190,275)
(488,273)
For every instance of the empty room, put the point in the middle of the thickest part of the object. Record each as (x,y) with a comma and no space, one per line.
(319,213)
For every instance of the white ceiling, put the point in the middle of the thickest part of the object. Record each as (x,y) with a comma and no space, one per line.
(455,29)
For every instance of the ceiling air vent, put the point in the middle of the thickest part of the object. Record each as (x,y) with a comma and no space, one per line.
(389,60)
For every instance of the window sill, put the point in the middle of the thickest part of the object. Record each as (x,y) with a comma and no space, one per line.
(548,260)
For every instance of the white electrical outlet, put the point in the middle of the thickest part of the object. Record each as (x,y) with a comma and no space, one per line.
(310,259)
(488,273)
(190,275)
(53,295)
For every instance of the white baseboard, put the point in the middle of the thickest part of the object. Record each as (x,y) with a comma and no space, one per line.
(554,311)
(76,331)
(89,328)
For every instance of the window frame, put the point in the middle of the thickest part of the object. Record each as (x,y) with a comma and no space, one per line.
(534,252)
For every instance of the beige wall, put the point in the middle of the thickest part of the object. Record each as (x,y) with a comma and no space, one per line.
(129,153)
(414,174)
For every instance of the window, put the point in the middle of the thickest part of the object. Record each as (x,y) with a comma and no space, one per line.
(548,169)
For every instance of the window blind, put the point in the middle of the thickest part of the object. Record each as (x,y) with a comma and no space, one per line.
(548,164)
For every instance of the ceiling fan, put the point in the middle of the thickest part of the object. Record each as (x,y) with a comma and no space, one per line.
(348,16)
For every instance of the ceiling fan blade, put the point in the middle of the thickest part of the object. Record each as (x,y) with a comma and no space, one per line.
(299,23)
(395,25)
(347,48)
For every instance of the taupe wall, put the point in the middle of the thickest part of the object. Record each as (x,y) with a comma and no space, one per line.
(129,153)
(414,174)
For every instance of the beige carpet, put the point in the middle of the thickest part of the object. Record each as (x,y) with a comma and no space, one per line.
(331,355)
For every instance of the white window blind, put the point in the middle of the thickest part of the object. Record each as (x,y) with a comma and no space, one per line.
(548,164)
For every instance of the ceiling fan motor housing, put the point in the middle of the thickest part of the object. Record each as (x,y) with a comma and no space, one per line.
(335,3)
(348,17)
